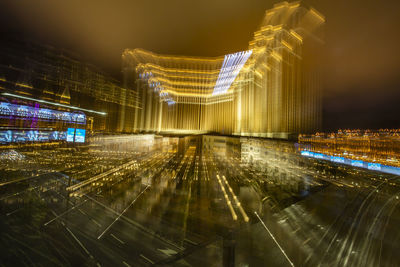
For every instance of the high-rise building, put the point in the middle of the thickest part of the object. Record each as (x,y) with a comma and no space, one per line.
(273,89)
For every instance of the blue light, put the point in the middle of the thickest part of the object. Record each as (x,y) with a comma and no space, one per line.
(70,134)
(374,166)
(54,135)
(318,155)
(305,153)
(6,136)
(33,136)
(80,136)
(21,136)
(43,114)
(357,163)
(337,159)
(231,67)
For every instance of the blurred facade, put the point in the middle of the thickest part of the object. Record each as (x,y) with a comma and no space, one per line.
(381,146)
(59,77)
(271,90)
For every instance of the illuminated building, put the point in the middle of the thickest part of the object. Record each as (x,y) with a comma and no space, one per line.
(42,76)
(32,124)
(270,90)
(371,149)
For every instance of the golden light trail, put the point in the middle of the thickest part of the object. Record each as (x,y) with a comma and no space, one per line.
(238,205)
(228,202)
(274,90)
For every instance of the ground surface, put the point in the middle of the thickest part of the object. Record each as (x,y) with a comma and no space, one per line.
(191,205)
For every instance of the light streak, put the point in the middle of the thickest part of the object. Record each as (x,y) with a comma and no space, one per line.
(97,177)
(228,202)
(317,14)
(273,238)
(62,214)
(55,104)
(296,35)
(287,45)
(119,216)
(238,205)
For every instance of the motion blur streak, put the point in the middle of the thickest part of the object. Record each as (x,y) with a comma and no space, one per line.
(179,198)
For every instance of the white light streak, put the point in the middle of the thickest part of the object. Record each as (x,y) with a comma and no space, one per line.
(273,238)
(55,104)
(119,216)
(231,67)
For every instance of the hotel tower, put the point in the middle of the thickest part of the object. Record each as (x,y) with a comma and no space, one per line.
(273,89)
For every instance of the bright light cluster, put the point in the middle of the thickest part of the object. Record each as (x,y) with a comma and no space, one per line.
(231,67)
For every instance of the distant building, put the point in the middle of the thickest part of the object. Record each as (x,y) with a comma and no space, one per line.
(272,90)
(359,148)
(29,70)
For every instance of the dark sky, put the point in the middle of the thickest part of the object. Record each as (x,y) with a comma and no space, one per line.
(362,59)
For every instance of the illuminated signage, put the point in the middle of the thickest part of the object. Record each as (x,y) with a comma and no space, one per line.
(32,136)
(318,155)
(8,110)
(337,159)
(5,136)
(357,163)
(305,153)
(70,134)
(62,136)
(374,166)
(54,135)
(44,136)
(80,136)
(20,136)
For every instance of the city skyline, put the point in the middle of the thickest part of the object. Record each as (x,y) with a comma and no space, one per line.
(360,67)
(180,133)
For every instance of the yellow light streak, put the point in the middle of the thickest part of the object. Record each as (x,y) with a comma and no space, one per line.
(276,56)
(317,14)
(190,71)
(294,4)
(287,45)
(23,85)
(296,35)
(169,57)
(22,92)
(258,73)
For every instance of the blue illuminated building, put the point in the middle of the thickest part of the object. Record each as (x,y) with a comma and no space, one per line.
(355,163)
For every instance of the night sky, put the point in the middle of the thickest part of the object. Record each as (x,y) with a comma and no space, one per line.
(362,59)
